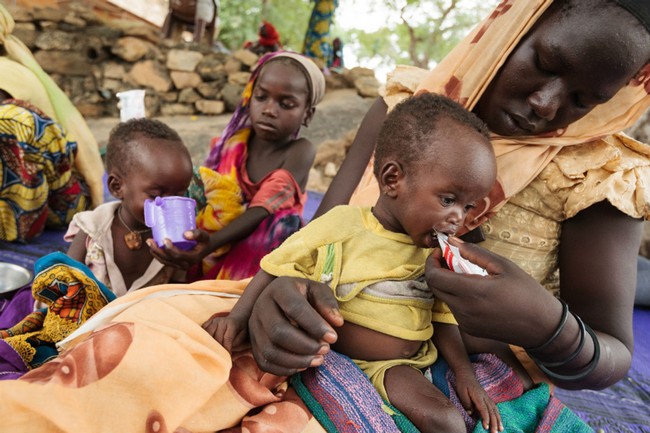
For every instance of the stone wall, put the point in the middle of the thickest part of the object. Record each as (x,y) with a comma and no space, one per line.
(93,60)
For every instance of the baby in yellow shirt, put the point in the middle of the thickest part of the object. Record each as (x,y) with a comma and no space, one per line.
(433,162)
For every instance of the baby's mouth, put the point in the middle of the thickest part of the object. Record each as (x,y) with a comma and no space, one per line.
(434,239)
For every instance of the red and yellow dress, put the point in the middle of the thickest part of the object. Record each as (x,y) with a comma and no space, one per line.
(229,191)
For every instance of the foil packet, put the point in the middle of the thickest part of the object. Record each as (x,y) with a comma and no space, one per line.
(455,261)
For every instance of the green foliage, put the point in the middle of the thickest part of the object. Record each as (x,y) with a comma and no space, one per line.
(418,32)
(240,20)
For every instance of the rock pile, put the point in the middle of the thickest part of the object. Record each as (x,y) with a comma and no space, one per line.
(92,59)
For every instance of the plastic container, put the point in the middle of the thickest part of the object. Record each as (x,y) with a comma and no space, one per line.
(131,104)
(168,218)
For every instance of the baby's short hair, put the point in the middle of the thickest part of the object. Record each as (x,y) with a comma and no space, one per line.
(405,133)
(122,145)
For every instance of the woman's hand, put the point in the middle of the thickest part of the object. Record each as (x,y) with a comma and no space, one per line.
(181,259)
(291,325)
(504,306)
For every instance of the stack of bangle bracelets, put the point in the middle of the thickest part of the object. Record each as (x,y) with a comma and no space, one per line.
(546,366)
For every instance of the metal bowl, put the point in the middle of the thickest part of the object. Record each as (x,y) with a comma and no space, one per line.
(13,277)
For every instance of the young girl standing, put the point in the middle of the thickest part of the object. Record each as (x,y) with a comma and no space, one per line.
(144,159)
(255,176)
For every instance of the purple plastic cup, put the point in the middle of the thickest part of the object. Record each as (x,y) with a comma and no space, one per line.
(168,218)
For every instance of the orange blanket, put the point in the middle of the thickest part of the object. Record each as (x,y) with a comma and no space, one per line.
(112,374)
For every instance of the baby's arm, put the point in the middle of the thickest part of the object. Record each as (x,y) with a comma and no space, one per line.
(231,331)
(77,250)
(448,341)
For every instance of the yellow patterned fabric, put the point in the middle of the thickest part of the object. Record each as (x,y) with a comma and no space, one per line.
(224,203)
(465,73)
(38,182)
(318,43)
(23,78)
(72,295)
(223,195)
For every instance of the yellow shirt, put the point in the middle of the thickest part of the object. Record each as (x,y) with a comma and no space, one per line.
(376,274)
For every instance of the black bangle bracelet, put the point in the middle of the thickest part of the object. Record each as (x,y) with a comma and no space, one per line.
(563,320)
(585,371)
(573,355)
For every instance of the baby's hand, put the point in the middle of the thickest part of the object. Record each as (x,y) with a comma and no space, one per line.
(474,398)
(182,259)
(230,331)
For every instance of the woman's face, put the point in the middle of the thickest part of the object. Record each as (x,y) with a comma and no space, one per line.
(563,68)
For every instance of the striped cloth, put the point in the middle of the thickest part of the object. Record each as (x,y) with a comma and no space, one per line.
(343,400)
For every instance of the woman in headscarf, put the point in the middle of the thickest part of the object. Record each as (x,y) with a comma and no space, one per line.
(556,82)
(50,162)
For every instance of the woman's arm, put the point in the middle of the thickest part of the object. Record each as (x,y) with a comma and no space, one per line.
(356,160)
(598,268)
(598,264)
(292,325)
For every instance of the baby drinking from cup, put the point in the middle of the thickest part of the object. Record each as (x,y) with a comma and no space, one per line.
(145,159)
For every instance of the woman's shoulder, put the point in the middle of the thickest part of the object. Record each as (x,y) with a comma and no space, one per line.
(615,168)
(401,83)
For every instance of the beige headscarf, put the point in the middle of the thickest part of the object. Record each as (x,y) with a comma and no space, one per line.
(317,79)
(23,78)
(464,74)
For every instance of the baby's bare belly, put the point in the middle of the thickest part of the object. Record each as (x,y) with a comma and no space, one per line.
(358,342)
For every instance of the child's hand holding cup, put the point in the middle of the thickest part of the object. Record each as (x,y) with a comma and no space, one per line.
(169,218)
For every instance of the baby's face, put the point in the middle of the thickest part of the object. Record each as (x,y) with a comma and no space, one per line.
(435,201)
(438,191)
(156,174)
